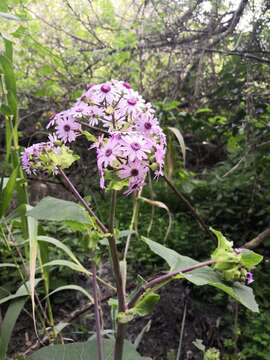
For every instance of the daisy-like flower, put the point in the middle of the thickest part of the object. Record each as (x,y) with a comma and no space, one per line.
(102,93)
(67,129)
(159,156)
(30,157)
(135,170)
(129,106)
(108,153)
(135,146)
(132,140)
(147,124)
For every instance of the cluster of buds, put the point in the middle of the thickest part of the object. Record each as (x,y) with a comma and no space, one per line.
(132,142)
(234,264)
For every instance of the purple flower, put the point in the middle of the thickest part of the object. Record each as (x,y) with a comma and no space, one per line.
(102,93)
(147,124)
(159,156)
(249,278)
(134,141)
(30,158)
(67,129)
(136,146)
(135,170)
(108,153)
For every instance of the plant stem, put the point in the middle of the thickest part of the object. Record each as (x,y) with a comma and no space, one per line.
(164,278)
(119,341)
(190,207)
(97,313)
(77,195)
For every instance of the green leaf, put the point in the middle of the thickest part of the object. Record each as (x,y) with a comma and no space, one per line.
(85,351)
(61,246)
(72,287)
(8,265)
(249,258)
(223,243)
(8,324)
(146,305)
(8,192)
(181,141)
(33,251)
(69,264)
(24,290)
(89,136)
(204,276)
(54,209)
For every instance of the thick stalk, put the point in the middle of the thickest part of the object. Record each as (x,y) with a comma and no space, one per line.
(120,333)
(190,207)
(163,279)
(97,314)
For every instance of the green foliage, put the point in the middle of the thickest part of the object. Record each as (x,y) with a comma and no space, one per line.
(203,276)
(83,350)
(54,209)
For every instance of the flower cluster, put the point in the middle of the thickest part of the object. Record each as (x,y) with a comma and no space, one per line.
(47,157)
(132,141)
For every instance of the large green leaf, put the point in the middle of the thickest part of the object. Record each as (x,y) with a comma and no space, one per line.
(11,315)
(85,351)
(204,276)
(8,324)
(55,209)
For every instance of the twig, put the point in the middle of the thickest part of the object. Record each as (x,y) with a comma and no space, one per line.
(74,191)
(257,240)
(162,279)
(190,207)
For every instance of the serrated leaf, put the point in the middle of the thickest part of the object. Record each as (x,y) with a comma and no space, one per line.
(54,209)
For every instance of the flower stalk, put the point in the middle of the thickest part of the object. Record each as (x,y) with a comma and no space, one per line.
(162,279)
(97,314)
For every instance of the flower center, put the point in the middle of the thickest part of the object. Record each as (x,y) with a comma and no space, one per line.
(67,128)
(147,125)
(134,172)
(132,101)
(108,152)
(127,85)
(135,146)
(105,88)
